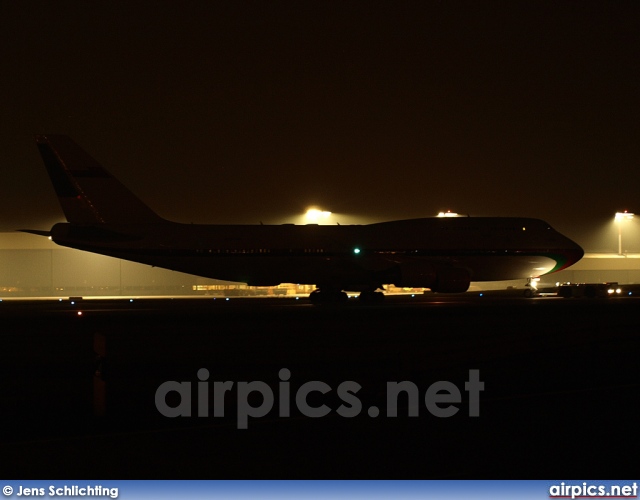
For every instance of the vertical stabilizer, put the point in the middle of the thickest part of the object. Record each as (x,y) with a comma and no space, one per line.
(89,194)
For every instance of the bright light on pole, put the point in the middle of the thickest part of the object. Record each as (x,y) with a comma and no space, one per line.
(620,217)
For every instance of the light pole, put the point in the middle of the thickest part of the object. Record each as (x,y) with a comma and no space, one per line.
(620,217)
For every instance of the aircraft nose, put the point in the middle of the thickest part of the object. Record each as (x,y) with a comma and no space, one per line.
(573,253)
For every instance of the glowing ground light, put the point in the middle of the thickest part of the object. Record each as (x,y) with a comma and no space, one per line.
(356,250)
(314,215)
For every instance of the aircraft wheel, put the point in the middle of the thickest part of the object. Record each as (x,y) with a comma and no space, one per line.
(315,297)
(337,296)
(328,296)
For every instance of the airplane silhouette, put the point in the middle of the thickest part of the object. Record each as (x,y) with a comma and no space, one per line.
(441,253)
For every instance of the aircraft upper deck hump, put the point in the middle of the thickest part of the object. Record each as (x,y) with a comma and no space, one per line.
(88,194)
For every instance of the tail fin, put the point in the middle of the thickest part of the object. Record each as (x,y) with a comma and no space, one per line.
(88,194)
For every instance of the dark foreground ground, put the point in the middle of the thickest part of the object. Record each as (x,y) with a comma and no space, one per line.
(562,384)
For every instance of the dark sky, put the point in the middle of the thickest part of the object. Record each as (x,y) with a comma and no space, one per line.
(239,112)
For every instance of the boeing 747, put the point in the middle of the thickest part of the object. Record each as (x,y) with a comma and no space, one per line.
(443,254)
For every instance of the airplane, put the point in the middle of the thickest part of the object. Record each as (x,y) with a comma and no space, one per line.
(443,254)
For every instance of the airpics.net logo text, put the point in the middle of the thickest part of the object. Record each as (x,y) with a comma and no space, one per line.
(441,399)
(586,490)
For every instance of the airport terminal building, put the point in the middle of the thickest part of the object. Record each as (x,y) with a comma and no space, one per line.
(33,266)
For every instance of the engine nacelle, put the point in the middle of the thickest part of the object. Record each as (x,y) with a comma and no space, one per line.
(415,274)
(418,274)
(452,280)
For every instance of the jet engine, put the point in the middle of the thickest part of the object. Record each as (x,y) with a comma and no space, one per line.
(416,274)
(452,280)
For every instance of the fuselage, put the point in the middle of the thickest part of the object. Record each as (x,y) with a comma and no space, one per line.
(414,252)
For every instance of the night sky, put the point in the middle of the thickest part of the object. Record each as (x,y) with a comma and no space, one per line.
(240,112)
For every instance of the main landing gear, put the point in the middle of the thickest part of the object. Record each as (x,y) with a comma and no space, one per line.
(336,296)
(328,296)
